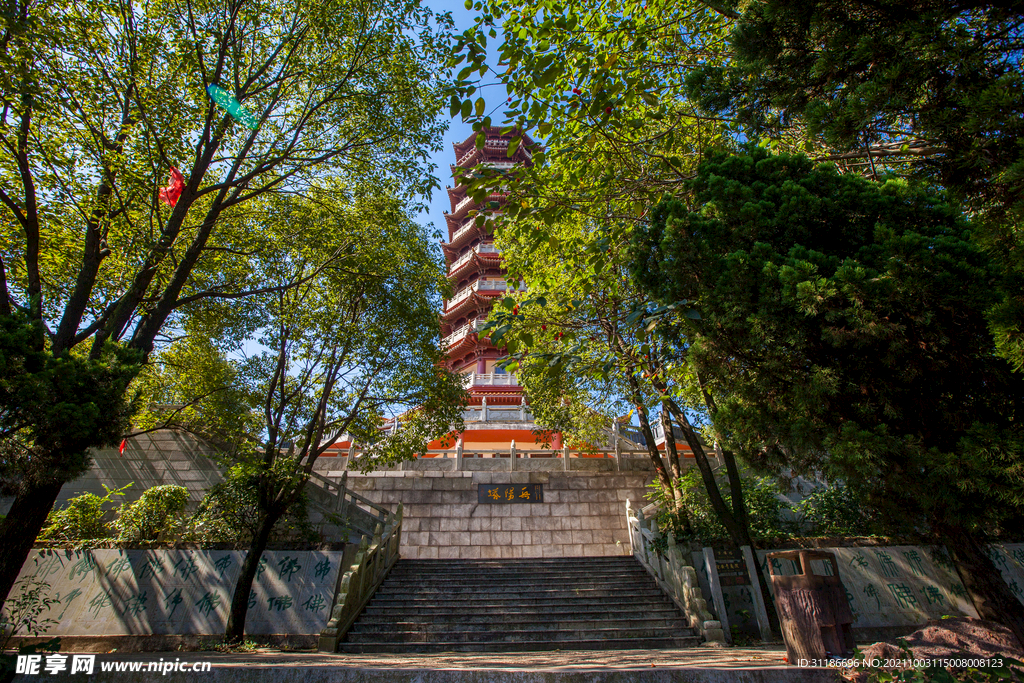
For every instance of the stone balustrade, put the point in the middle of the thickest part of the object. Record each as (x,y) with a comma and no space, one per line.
(675,575)
(360,581)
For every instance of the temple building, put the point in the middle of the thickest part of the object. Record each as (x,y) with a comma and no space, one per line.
(497,418)
(497,413)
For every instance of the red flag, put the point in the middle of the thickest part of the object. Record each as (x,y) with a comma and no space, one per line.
(120,449)
(169,195)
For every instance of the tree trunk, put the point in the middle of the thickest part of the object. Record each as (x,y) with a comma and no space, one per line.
(990,594)
(659,465)
(677,471)
(670,443)
(734,520)
(19,529)
(235,630)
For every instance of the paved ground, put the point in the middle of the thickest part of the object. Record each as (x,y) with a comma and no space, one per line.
(586,660)
(696,665)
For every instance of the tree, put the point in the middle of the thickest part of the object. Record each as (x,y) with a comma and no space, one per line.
(345,348)
(603,89)
(606,92)
(937,83)
(842,329)
(579,341)
(101,99)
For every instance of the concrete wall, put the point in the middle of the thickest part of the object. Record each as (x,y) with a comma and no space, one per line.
(142,592)
(163,457)
(582,513)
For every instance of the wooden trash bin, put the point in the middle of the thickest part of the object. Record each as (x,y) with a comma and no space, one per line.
(813,611)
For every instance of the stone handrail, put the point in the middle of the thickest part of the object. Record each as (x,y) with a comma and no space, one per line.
(490,379)
(358,512)
(467,329)
(465,228)
(674,574)
(471,459)
(360,581)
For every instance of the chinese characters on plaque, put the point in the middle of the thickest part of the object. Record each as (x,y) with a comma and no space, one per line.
(510,493)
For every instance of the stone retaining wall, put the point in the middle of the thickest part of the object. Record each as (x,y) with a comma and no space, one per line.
(142,592)
(581,514)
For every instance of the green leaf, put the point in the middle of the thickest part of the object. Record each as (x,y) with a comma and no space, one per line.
(480,105)
(467,109)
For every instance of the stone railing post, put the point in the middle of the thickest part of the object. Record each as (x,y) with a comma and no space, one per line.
(458,455)
(629,527)
(357,584)
(483,410)
(512,456)
(565,457)
(716,591)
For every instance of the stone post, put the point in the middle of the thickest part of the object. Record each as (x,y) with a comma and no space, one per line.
(458,455)
(716,591)
(522,410)
(483,410)
(629,527)
(512,456)
(755,590)
(565,457)
(618,445)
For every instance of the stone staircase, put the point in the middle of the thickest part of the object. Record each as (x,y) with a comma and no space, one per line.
(533,604)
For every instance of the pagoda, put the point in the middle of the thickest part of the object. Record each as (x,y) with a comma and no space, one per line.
(497,413)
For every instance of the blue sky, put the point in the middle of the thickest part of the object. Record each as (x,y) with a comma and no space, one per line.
(457,130)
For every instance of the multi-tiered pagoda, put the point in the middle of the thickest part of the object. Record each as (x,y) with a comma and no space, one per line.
(497,413)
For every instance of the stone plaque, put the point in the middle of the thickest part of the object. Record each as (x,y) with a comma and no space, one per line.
(510,493)
(732,570)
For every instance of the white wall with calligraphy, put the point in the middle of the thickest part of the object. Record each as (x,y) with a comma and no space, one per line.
(142,592)
(888,586)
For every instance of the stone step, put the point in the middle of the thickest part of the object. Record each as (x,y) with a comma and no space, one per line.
(504,635)
(485,607)
(534,623)
(529,591)
(664,610)
(532,646)
(510,575)
(518,605)
(521,562)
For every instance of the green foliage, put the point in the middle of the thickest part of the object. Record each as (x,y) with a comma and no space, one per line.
(149,516)
(54,409)
(923,671)
(842,323)
(192,385)
(22,613)
(834,510)
(230,512)
(82,519)
(603,88)
(919,79)
(760,494)
(100,100)
(942,72)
